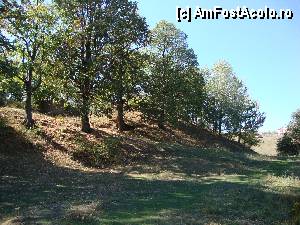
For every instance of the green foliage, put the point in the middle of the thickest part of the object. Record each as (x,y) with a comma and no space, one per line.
(225,95)
(122,80)
(250,119)
(296,214)
(3,123)
(286,146)
(98,51)
(15,104)
(173,81)
(4,131)
(250,138)
(289,144)
(7,85)
(228,107)
(5,48)
(294,127)
(30,27)
(50,94)
(89,57)
(11,90)
(103,154)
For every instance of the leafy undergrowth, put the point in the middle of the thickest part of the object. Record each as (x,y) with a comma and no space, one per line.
(163,177)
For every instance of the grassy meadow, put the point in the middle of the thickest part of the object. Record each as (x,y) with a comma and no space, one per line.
(180,179)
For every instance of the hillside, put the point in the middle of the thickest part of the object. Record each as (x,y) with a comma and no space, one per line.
(177,176)
(268,144)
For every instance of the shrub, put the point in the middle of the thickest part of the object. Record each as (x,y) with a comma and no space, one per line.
(15,104)
(2,99)
(106,153)
(289,144)
(286,146)
(3,127)
(251,139)
(294,127)
(296,214)
(3,123)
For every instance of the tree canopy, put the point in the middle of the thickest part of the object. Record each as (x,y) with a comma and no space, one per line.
(100,57)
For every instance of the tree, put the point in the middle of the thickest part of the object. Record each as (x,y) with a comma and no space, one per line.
(223,91)
(6,69)
(125,73)
(290,143)
(3,65)
(50,94)
(124,80)
(250,120)
(94,30)
(229,108)
(294,127)
(193,103)
(5,48)
(172,66)
(11,90)
(29,25)
(287,146)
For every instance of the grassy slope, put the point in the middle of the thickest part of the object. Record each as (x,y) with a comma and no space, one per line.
(268,145)
(170,178)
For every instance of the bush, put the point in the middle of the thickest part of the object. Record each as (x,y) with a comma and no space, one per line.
(3,123)
(3,127)
(289,144)
(251,139)
(106,153)
(296,214)
(2,99)
(286,146)
(15,104)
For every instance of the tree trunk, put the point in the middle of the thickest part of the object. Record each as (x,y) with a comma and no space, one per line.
(220,127)
(85,84)
(85,123)
(120,104)
(120,118)
(161,121)
(2,99)
(215,128)
(240,136)
(85,110)
(161,125)
(121,125)
(29,122)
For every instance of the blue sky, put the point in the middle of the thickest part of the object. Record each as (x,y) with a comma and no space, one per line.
(265,54)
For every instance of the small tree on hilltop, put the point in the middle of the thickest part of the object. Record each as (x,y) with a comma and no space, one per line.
(290,143)
(170,72)
(29,25)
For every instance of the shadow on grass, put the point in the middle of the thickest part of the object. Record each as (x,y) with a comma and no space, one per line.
(51,141)
(211,139)
(34,191)
(207,161)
